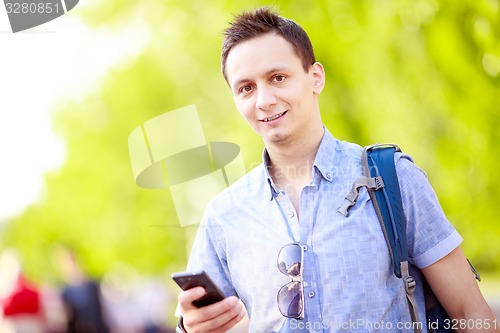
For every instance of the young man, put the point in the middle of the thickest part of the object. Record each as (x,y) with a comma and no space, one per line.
(334,272)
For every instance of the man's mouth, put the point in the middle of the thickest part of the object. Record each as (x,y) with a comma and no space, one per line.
(276,116)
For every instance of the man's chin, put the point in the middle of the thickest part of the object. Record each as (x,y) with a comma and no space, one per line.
(277,138)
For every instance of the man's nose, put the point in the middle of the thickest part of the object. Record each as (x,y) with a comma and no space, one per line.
(265,97)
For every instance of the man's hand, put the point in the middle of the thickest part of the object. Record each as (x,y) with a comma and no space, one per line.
(217,317)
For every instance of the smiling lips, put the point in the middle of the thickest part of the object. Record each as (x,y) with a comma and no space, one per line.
(276,116)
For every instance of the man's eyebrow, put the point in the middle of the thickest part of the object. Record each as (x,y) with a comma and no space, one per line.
(267,73)
(239,82)
(277,70)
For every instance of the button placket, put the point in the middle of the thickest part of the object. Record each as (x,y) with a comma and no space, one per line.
(289,214)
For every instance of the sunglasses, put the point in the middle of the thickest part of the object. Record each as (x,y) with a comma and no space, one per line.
(290,297)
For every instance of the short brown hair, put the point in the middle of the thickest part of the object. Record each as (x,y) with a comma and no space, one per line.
(252,24)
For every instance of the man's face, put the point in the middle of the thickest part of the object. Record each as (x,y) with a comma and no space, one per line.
(271,89)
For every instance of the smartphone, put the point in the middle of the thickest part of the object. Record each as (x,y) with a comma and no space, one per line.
(187,281)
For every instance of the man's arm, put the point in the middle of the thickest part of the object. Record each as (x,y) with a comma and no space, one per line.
(453,283)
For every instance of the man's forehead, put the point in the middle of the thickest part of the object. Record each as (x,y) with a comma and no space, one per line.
(260,45)
(259,56)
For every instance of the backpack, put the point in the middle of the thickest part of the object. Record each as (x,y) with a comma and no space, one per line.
(381,180)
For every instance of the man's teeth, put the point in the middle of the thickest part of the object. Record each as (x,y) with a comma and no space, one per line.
(275,117)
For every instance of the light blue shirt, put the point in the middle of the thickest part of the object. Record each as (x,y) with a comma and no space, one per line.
(349,283)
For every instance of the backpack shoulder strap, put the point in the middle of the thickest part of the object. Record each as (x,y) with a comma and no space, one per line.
(378,161)
(381,180)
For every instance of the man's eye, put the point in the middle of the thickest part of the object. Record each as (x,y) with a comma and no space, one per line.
(245,89)
(279,78)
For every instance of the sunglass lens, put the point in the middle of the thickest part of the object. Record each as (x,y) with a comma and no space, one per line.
(290,300)
(289,259)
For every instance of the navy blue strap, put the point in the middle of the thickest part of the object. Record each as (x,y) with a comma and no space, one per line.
(381,164)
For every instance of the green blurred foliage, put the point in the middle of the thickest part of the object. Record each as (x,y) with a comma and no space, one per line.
(423,74)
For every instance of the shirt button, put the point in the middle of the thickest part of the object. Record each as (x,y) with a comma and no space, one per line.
(304,247)
(328,176)
(311,294)
(291,214)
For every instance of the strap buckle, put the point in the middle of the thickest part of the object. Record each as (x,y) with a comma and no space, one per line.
(383,145)
(375,183)
(410,284)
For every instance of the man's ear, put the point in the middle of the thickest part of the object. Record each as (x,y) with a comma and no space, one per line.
(318,75)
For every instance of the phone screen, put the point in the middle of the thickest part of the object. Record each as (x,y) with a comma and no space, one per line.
(190,280)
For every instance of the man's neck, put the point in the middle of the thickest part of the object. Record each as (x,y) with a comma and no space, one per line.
(291,163)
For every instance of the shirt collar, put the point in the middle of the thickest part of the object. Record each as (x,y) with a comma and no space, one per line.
(267,160)
(323,162)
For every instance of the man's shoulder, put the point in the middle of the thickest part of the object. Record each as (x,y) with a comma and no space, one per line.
(348,150)
(251,184)
(252,179)
(353,151)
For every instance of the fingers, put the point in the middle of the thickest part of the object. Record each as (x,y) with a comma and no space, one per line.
(232,321)
(219,314)
(217,317)
(187,297)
